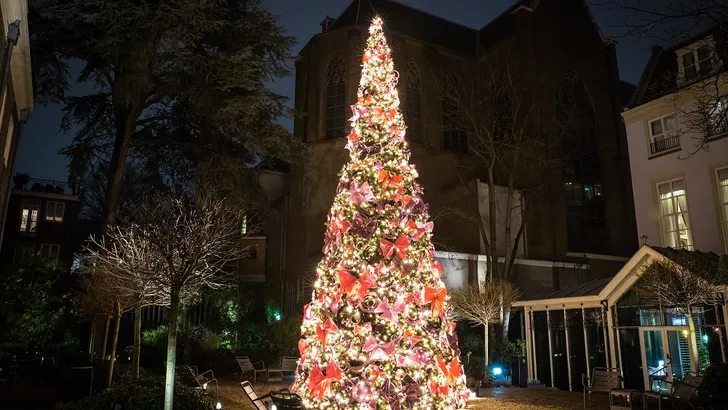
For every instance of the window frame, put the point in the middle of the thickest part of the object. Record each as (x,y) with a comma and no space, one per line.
(49,247)
(19,247)
(664,236)
(722,203)
(665,135)
(31,227)
(335,88)
(54,218)
(694,53)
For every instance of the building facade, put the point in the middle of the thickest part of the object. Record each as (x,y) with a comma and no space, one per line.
(41,221)
(16,91)
(585,210)
(676,127)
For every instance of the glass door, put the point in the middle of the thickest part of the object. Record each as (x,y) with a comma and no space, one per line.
(679,353)
(654,363)
(665,356)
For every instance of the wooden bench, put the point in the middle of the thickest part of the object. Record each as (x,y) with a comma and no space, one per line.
(681,395)
(289,365)
(603,381)
(246,366)
(258,401)
(283,399)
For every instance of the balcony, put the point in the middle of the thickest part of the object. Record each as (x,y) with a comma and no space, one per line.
(25,183)
(666,144)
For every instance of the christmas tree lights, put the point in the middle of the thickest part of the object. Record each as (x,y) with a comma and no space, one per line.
(376,334)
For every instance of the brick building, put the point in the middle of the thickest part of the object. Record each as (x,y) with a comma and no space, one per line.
(585,219)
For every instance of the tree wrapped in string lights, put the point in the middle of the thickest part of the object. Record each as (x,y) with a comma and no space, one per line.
(376,334)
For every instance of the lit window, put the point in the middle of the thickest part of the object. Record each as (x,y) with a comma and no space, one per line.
(50,252)
(24,253)
(674,218)
(718,116)
(54,211)
(244,225)
(29,216)
(722,179)
(663,132)
(696,63)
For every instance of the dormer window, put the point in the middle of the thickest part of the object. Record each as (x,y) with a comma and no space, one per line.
(696,62)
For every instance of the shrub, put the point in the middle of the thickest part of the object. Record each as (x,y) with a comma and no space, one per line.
(502,352)
(155,337)
(145,394)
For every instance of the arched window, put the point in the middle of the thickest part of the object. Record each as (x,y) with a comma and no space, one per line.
(583,181)
(413,103)
(454,137)
(335,98)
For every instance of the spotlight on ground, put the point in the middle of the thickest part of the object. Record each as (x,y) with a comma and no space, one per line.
(497,371)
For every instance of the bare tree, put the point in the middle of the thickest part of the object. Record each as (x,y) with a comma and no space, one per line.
(684,281)
(103,293)
(175,247)
(482,303)
(703,115)
(498,114)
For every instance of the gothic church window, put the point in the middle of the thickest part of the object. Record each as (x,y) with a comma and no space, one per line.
(335,98)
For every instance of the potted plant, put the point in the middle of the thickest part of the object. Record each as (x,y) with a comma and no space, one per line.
(21,180)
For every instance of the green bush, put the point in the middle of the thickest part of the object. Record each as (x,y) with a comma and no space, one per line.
(145,394)
(156,337)
(501,352)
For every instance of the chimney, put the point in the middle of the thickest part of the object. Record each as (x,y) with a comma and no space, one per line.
(328,21)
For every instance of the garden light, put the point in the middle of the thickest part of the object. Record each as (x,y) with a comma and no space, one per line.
(273,407)
(705,338)
(204,386)
(218,406)
(497,371)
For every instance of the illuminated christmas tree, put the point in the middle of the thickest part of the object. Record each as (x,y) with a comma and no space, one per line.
(376,334)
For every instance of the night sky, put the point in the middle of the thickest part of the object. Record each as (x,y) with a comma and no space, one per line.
(41,140)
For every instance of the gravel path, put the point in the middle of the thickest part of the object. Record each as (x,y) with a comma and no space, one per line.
(233,398)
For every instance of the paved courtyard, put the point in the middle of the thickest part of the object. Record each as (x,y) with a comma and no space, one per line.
(233,398)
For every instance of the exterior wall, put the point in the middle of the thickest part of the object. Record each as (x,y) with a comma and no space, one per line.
(55,233)
(549,55)
(698,171)
(18,97)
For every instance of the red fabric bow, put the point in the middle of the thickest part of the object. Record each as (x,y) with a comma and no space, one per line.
(353,286)
(436,297)
(324,329)
(436,390)
(389,181)
(451,370)
(320,384)
(401,245)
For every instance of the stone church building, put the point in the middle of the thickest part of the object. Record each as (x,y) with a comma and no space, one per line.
(583,225)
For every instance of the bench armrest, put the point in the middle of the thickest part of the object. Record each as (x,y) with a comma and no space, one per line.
(204,373)
(585,380)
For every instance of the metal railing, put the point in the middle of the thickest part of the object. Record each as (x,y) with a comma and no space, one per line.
(43,185)
(665,144)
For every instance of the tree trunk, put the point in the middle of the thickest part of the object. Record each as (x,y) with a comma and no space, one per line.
(506,321)
(136,353)
(106,335)
(117,323)
(492,224)
(116,176)
(92,339)
(485,341)
(171,351)
(694,356)
(508,231)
